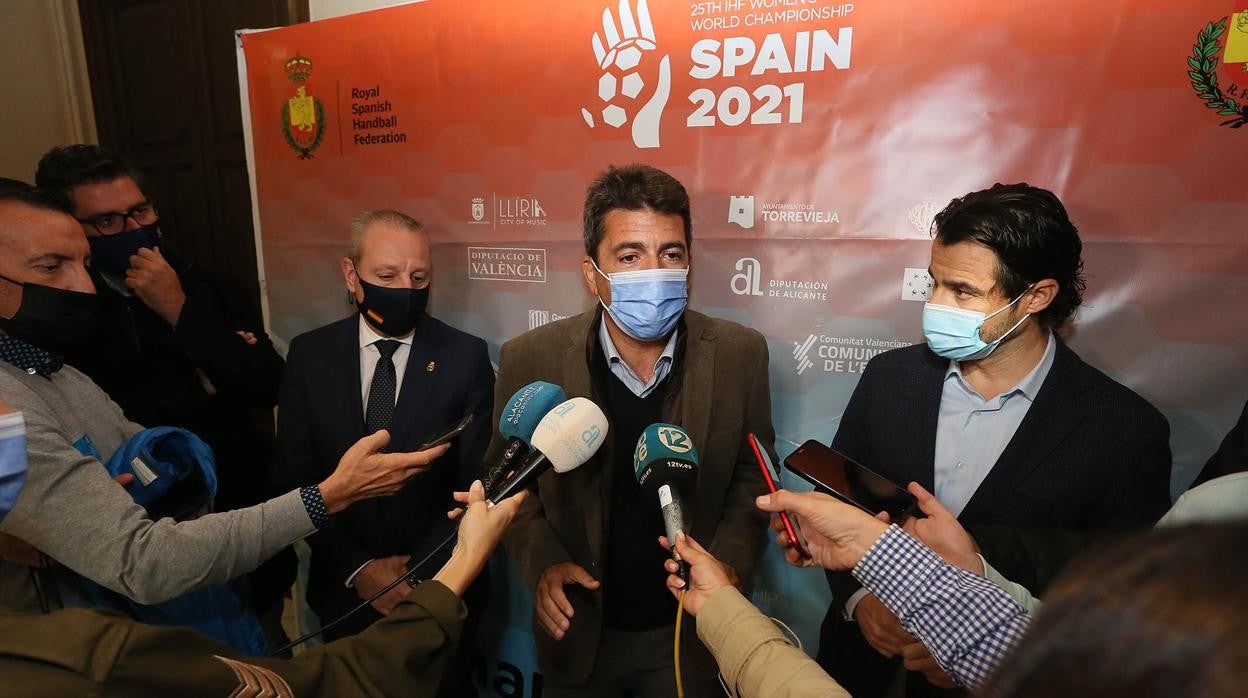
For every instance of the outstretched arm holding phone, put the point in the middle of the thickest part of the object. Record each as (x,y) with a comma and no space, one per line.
(966,622)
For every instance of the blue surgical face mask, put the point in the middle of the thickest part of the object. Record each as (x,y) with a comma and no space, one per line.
(953,333)
(647,304)
(12,459)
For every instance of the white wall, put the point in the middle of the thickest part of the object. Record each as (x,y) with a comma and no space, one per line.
(43,84)
(321,9)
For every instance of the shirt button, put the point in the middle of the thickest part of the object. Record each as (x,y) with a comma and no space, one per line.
(961,465)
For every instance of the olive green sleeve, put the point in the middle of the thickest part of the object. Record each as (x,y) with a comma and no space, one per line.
(402,654)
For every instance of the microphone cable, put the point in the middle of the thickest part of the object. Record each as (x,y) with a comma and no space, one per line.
(680,613)
(405,577)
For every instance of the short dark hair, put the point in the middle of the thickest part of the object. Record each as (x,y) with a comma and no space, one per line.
(21,192)
(1027,227)
(1160,614)
(633,188)
(65,167)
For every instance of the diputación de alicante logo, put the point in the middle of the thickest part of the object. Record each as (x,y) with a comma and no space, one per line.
(1222,48)
(303,116)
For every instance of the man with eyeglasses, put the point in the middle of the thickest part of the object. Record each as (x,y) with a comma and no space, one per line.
(173,346)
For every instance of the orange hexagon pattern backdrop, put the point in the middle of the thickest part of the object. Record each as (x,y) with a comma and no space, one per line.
(817,139)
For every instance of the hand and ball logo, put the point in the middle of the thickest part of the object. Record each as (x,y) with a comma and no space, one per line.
(625,53)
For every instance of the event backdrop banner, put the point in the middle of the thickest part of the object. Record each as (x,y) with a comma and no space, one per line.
(817,138)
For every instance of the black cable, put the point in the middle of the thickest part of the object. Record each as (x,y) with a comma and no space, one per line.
(49,565)
(405,577)
(36,581)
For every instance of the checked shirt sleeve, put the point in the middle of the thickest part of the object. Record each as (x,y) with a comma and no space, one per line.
(968,623)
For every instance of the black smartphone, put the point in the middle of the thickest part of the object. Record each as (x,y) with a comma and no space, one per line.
(455,430)
(834,473)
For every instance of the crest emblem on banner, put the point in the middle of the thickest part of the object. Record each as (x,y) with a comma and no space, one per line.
(303,116)
(1223,43)
(478,209)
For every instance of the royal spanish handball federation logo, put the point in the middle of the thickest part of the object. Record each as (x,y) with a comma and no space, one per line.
(1223,44)
(303,116)
(626,54)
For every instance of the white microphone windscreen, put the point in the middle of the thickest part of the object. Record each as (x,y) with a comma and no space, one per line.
(571,433)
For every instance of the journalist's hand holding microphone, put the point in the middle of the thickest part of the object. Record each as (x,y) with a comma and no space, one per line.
(479,532)
(706,574)
(567,435)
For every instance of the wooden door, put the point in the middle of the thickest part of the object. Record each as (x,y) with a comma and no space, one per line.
(164,79)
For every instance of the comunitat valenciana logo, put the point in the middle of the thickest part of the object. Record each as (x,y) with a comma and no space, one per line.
(829,354)
(635,81)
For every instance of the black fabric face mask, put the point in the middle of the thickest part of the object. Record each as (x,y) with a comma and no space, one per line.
(52,318)
(112,253)
(393,311)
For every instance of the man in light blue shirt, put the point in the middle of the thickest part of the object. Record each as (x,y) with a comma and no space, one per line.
(586,545)
(973,431)
(1010,429)
(620,368)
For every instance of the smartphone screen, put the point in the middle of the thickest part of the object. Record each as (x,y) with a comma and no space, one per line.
(455,430)
(772,478)
(852,482)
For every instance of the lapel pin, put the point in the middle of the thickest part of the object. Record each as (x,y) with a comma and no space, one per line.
(430,366)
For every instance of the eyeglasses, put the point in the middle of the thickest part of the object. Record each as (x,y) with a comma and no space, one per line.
(113,222)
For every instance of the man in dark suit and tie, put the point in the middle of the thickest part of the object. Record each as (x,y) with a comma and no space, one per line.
(1028,445)
(389,366)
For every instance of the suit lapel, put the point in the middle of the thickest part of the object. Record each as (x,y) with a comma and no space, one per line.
(346,370)
(697,395)
(589,478)
(419,379)
(1056,412)
(576,380)
(922,413)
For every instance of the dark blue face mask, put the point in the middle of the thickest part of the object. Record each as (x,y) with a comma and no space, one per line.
(112,253)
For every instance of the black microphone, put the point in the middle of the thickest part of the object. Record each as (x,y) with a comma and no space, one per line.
(566,437)
(517,423)
(666,463)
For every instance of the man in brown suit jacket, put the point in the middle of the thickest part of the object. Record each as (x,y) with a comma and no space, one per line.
(586,545)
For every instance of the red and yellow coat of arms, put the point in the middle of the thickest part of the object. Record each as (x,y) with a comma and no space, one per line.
(303,117)
(1221,51)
